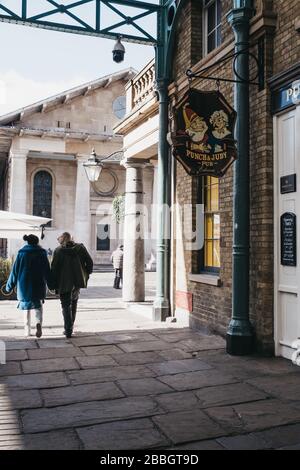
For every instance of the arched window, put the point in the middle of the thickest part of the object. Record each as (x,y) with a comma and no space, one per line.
(42,194)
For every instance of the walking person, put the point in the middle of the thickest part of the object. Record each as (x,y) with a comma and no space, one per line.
(117,260)
(71,267)
(30,273)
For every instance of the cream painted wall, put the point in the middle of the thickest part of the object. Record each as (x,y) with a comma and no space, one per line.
(63,201)
(91,112)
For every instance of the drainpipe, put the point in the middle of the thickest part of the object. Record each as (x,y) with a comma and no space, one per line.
(240,335)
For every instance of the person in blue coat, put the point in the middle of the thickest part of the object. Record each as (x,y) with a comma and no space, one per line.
(30,273)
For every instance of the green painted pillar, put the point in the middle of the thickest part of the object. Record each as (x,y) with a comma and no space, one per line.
(240,335)
(161,306)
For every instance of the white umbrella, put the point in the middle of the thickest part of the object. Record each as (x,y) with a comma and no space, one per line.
(14,226)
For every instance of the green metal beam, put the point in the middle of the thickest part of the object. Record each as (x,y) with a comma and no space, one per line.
(43,19)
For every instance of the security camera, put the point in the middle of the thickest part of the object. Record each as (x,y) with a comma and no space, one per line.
(118,51)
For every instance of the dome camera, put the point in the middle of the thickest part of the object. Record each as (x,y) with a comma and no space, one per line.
(118,51)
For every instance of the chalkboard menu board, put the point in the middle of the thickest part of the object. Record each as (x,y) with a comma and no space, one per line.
(288,239)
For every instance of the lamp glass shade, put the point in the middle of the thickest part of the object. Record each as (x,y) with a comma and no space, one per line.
(93,170)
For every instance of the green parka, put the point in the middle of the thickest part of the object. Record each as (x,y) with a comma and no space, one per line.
(71,267)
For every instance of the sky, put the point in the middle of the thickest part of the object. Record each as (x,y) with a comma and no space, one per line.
(37,63)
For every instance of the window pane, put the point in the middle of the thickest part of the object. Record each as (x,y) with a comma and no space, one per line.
(217,230)
(219,36)
(211,41)
(217,263)
(219,12)
(207,196)
(209,227)
(211,18)
(208,254)
(215,198)
(103,237)
(42,195)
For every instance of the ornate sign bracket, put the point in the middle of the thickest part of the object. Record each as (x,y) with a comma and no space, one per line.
(257,80)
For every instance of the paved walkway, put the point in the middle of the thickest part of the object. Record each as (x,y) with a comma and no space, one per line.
(124,382)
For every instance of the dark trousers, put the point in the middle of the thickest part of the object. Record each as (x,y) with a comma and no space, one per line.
(118,278)
(69,302)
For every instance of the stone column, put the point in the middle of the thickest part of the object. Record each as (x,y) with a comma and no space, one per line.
(17,191)
(154,215)
(82,214)
(18,181)
(134,257)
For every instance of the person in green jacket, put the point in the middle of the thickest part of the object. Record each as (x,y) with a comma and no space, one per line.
(71,267)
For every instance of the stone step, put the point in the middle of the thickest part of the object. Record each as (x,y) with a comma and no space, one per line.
(103,268)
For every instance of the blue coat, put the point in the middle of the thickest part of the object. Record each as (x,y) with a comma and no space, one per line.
(30,273)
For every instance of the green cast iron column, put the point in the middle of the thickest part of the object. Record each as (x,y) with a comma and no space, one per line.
(161,306)
(240,332)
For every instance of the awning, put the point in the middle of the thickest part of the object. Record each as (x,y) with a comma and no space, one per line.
(14,226)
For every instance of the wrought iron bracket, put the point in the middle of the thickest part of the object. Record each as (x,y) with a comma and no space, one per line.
(259,59)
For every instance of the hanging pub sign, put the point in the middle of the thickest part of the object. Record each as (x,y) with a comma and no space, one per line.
(203,141)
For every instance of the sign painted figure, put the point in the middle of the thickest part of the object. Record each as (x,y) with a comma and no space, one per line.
(204,141)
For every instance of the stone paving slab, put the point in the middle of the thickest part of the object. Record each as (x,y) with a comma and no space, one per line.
(21,399)
(244,442)
(202,445)
(228,394)
(127,337)
(80,393)
(54,353)
(202,343)
(276,438)
(198,379)
(137,358)
(285,387)
(175,336)
(156,345)
(49,365)
(145,386)
(54,440)
(98,350)
(254,416)
(17,355)
(249,369)
(88,413)
(12,345)
(177,401)
(177,367)
(188,426)
(134,434)
(174,354)
(54,343)
(92,362)
(11,368)
(295,447)
(281,436)
(30,381)
(106,339)
(108,374)
(272,365)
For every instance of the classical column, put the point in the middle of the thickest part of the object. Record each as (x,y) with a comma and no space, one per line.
(134,256)
(82,215)
(18,181)
(17,191)
(154,215)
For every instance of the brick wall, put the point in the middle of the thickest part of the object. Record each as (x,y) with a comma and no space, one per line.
(212,305)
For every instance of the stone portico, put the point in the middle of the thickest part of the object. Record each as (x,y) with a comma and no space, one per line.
(140,130)
(54,138)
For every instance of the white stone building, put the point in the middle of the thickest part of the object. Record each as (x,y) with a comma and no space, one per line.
(42,150)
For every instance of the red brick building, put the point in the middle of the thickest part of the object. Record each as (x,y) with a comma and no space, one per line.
(202,280)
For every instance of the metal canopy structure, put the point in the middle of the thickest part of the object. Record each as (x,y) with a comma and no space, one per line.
(70,18)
